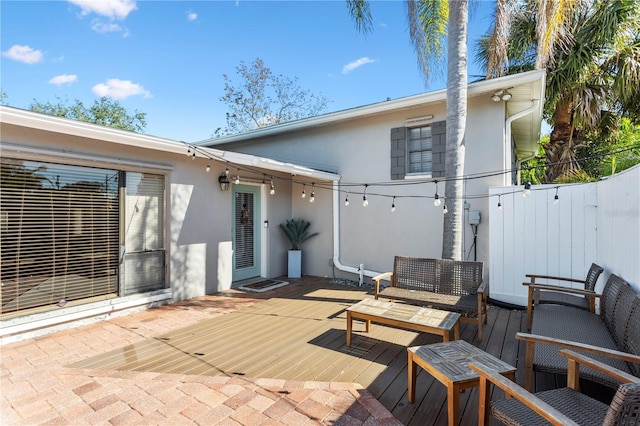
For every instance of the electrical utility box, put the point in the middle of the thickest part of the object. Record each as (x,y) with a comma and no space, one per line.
(474,217)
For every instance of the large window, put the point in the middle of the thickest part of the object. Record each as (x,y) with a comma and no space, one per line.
(420,150)
(61,234)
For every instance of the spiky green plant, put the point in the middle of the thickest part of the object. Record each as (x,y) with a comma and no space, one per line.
(297,231)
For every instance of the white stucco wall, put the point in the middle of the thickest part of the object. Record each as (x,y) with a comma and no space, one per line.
(359,151)
(198,214)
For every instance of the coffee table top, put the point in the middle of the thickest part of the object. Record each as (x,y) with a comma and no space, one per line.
(451,359)
(407,313)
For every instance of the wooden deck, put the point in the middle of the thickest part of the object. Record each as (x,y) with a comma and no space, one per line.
(297,332)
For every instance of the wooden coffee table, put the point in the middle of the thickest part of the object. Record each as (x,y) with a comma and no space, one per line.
(411,317)
(448,363)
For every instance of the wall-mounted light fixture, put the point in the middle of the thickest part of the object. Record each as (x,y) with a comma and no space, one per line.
(223,180)
(501,95)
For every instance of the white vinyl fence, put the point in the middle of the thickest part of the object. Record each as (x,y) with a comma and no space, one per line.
(594,222)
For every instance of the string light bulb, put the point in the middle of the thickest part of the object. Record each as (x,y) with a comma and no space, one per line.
(346,200)
(304,193)
(209,166)
(556,199)
(193,156)
(527,189)
(436,198)
(365,202)
(226,171)
(237,181)
(188,151)
(393,205)
(445,210)
(272,188)
(312,198)
(499,203)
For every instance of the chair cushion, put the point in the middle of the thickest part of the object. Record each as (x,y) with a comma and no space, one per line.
(577,325)
(565,299)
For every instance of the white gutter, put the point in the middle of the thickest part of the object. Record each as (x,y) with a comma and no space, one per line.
(336,240)
(534,105)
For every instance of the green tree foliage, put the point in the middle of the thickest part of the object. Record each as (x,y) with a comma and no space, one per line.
(604,156)
(591,52)
(104,111)
(598,157)
(262,99)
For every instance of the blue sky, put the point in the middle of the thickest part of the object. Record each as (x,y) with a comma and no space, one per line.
(167,58)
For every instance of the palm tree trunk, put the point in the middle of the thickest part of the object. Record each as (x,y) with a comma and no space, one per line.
(456,126)
(559,151)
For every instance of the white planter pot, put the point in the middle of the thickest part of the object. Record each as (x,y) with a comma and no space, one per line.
(295,264)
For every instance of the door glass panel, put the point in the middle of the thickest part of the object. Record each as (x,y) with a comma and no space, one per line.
(244,230)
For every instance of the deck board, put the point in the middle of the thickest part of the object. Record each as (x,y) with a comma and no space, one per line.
(297,332)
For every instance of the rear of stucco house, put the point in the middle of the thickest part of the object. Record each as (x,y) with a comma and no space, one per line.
(97,222)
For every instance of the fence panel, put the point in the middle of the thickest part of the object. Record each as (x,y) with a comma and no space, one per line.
(535,235)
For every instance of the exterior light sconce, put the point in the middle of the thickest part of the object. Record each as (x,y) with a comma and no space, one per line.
(223,180)
(501,95)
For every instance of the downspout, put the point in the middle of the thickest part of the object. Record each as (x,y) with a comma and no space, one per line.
(360,271)
(520,114)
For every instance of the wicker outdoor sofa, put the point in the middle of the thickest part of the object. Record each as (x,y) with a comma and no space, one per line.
(451,285)
(611,337)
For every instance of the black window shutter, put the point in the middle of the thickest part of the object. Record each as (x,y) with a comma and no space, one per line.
(438,148)
(398,152)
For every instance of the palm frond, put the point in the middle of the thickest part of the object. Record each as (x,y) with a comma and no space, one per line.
(427,32)
(361,14)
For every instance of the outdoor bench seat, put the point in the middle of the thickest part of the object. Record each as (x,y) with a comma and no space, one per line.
(611,337)
(451,285)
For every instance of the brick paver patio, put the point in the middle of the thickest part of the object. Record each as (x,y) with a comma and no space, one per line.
(37,388)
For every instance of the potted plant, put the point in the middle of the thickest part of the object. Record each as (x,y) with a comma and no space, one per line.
(297,231)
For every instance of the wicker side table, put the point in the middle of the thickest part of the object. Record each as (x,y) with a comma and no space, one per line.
(447,362)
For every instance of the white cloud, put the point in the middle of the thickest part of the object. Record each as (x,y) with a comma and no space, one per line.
(192,16)
(356,64)
(120,89)
(113,9)
(63,79)
(101,27)
(25,54)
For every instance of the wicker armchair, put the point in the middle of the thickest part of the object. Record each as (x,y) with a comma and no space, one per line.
(584,298)
(564,406)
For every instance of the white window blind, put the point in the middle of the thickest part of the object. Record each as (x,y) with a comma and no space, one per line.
(420,150)
(144,260)
(59,236)
(244,230)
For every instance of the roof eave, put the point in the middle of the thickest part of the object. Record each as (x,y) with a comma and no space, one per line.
(49,123)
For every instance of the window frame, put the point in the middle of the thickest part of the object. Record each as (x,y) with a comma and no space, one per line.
(420,174)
